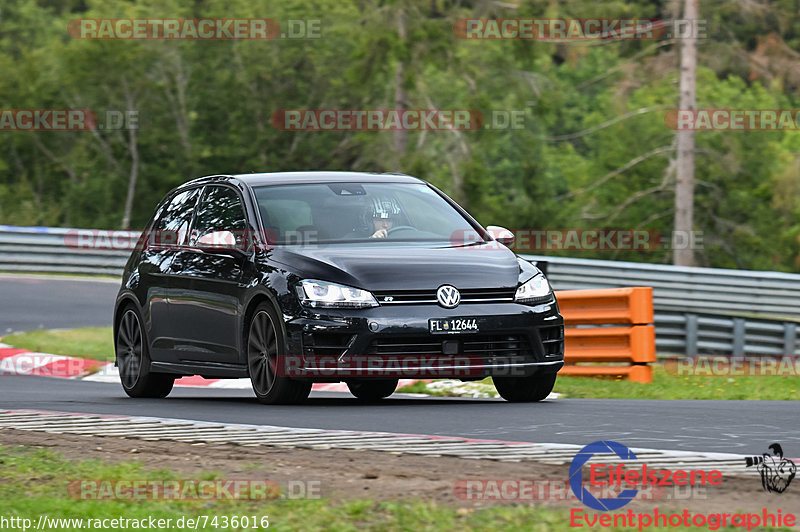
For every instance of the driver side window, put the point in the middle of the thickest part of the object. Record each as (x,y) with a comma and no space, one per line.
(220,209)
(172,227)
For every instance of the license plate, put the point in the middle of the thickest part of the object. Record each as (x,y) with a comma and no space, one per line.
(453,325)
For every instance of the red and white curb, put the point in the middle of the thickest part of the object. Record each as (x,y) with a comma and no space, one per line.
(23,362)
(201,432)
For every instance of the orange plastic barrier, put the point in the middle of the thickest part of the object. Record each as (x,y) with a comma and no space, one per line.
(632,306)
(631,340)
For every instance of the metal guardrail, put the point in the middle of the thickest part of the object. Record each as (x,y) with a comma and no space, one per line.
(710,334)
(46,249)
(697,310)
(702,290)
(700,311)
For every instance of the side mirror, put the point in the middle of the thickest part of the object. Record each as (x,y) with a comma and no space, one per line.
(217,239)
(220,241)
(501,234)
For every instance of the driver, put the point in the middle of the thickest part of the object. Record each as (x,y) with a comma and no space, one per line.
(382,213)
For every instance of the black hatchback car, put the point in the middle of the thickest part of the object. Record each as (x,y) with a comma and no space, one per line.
(301,277)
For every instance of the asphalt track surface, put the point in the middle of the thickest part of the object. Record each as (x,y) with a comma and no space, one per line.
(710,426)
(743,427)
(39,302)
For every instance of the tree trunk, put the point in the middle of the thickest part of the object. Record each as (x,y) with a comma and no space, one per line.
(683,254)
(134,173)
(400,95)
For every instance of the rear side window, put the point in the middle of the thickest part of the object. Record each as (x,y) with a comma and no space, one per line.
(172,226)
(220,210)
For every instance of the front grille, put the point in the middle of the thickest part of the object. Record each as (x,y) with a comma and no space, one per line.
(479,353)
(487,346)
(469,295)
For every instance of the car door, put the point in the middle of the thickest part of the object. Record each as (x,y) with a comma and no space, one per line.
(160,244)
(205,290)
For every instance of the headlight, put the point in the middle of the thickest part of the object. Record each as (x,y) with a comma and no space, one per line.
(534,290)
(332,295)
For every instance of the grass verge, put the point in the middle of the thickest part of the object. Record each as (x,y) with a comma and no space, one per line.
(664,386)
(96,343)
(34,482)
(669,386)
(35,486)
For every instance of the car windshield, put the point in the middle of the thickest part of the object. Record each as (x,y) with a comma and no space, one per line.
(328,213)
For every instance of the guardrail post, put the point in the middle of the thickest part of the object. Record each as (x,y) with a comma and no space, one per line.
(789,338)
(691,335)
(738,337)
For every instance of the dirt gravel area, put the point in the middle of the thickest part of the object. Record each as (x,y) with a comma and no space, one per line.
(346,474)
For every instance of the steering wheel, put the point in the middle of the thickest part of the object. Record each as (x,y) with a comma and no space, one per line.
(400,228)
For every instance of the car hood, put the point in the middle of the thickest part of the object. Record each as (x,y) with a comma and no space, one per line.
(381,266)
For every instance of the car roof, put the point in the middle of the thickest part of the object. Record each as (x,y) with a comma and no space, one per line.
(285,178)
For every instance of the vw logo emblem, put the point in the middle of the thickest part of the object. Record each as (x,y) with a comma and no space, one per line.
(448,296)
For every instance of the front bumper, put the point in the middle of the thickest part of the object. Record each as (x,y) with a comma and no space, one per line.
(395,341)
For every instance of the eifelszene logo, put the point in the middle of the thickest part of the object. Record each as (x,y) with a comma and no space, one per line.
(618,475)
(776,471)
(576,476)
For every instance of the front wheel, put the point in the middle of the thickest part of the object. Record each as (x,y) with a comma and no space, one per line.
(372,390)
(525,389)
(266,349)
(133,360)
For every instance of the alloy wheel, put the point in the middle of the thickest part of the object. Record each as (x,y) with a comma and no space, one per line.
(129,349)
(262,352)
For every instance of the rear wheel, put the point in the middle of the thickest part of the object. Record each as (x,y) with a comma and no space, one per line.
(525,389)
(372,389)
(266,348)
(133,360)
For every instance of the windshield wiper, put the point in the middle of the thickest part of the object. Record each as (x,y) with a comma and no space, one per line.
(475,243)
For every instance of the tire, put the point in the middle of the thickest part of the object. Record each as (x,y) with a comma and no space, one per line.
(133,359)
(525,389)
(265,345)
(372,389)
